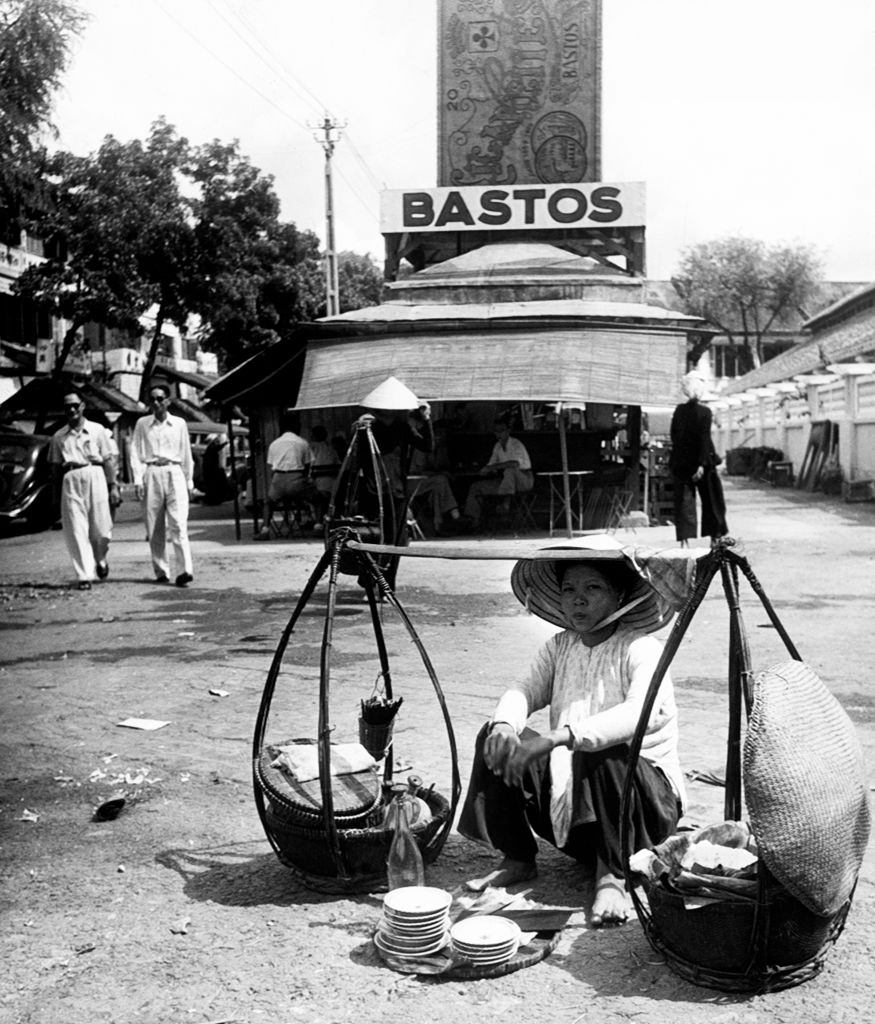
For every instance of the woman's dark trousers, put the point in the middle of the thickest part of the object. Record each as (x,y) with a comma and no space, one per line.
(505,816)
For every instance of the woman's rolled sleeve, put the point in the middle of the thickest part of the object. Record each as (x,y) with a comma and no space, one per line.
(513,709)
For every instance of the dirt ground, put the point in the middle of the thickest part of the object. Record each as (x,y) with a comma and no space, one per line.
(178,911)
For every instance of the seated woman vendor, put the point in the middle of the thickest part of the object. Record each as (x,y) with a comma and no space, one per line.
(567,785)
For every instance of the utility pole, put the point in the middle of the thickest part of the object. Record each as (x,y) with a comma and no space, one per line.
(332,286)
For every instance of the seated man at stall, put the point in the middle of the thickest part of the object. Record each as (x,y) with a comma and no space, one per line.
(508,472)
(289,459)
(430,477)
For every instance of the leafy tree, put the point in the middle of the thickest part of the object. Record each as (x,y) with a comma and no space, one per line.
(35,40)
(192,233)
(166,250)
(360,280)
(117,229)
(258,275)
(745,288)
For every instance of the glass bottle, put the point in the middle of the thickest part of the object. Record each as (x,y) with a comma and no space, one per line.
(404,865)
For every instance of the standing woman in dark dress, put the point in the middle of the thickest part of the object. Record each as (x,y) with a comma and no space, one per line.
(693,464)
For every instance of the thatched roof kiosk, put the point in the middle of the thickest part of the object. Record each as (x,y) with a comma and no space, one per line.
(521,325)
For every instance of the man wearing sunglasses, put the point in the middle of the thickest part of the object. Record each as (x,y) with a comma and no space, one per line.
(83,472)
(162,469)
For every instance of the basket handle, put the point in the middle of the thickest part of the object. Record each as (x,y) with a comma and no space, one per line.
(374,580)
(757,588)
(324,729)
(728,563)
(708,566)
(739,687)
(369,563)
(270,687)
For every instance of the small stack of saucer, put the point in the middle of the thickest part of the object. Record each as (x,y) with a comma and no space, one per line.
(414,922)
(484,940)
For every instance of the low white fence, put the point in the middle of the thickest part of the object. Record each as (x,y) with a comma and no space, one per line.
(780,416)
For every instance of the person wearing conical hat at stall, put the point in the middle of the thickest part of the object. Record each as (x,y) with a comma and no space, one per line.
(566,785)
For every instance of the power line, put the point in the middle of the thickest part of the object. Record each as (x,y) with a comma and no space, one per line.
(368,206)
(374,180)
(274,65)
(364,202)
(320,106)
(292,81)
(225,64)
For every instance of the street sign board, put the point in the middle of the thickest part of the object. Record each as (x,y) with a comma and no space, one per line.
(583,204)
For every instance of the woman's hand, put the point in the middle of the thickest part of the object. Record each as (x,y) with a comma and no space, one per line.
(499,745)
(524,753)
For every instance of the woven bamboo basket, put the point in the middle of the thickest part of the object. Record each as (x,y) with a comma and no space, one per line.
(331,835)
(364,848)
(764,945)
(808,865)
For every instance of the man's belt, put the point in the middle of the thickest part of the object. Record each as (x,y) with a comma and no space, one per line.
(67,466)
(288,471)
(163,462)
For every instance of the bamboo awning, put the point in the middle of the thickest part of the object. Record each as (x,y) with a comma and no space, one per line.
(614,365)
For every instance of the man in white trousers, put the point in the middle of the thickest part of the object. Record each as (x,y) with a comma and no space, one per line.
(83,473)
(162,469)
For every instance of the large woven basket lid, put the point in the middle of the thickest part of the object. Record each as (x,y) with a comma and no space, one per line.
(351,794)
(805,787)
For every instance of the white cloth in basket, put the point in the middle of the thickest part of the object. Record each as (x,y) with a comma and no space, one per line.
(301,760)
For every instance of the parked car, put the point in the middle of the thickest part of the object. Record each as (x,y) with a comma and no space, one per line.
(26,480)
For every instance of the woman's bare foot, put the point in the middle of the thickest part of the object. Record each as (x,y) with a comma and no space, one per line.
(611,904)
(508,872)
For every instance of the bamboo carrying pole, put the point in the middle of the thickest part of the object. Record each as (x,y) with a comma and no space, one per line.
(566,486)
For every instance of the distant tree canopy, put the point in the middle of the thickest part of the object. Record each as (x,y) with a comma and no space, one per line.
(746,288)
(35,41)
(360,280)
(191,232)
(186,231)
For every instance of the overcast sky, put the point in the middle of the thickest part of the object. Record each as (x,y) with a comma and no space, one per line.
(752,117)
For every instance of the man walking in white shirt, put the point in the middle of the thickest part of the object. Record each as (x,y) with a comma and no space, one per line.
(163,470)
(83,472)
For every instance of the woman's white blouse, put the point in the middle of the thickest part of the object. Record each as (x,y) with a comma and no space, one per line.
(598,692)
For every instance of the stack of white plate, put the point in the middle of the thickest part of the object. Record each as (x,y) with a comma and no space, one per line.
(485,940)
(414,922)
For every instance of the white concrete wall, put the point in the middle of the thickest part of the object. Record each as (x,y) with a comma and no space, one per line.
(781,417)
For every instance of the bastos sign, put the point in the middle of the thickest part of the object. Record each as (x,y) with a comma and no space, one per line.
(519,91)
(582,204)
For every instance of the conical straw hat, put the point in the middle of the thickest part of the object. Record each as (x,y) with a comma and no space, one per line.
(391,394)
(536,583)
